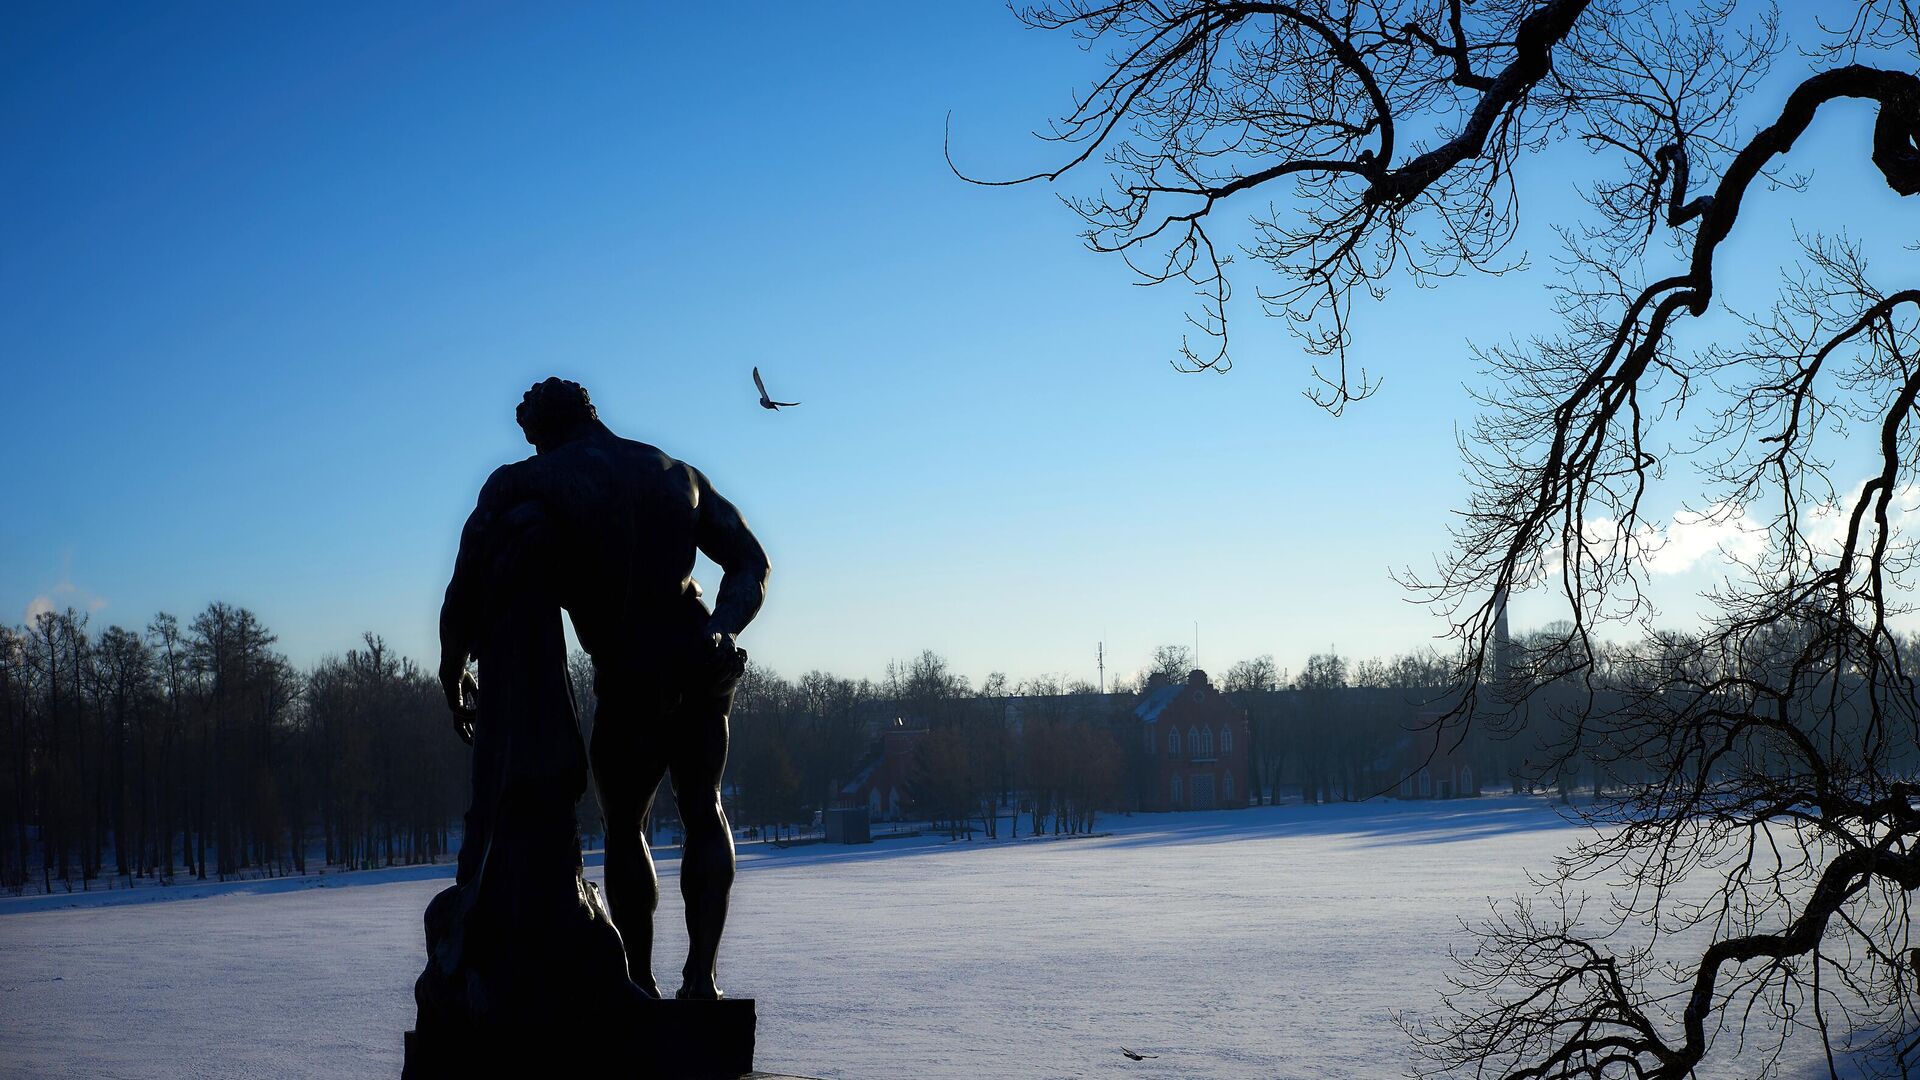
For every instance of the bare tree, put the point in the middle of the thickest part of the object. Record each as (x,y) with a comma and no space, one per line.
(1251,685)
(1758,786)
(835,737)
(1171,663)
(16,785)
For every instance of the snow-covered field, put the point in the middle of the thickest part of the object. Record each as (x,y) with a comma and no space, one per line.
(1276,942)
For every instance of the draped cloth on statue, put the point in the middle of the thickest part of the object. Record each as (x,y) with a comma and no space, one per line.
(521,951)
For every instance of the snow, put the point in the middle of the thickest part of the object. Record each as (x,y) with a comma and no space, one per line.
(1274,942)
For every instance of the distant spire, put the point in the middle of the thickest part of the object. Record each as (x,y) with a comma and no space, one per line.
(1501,643)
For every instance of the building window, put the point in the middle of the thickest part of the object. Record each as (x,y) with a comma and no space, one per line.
(1226,788)
(1426,784)
(1193,741)
(1177,801)
(1173,741)
(1205,748)
(1226,739)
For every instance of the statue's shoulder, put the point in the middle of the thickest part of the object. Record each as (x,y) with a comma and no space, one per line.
(512,482)
(645,453)
(656,464)
(608,456)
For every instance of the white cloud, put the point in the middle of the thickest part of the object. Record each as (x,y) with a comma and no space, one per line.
(1825,524)
(64,595)
(1729,532)
(1736,533)
(1725,533)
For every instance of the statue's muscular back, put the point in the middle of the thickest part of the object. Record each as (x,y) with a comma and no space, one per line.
(631,518)
(629,515)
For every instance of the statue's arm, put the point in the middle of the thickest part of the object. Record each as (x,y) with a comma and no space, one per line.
(460,612)
(724,537)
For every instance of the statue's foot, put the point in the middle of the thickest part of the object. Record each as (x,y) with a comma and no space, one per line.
(706,992)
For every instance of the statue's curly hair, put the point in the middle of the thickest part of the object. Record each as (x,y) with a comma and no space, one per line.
(552,408)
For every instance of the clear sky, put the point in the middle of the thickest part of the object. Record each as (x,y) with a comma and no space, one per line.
(274,276)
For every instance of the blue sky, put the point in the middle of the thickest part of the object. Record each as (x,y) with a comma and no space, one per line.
(274,278)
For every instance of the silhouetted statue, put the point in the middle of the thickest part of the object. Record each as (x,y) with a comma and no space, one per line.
(627,521)
(606,528)
(520,946)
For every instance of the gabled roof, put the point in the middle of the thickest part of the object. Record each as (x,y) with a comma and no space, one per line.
(853,787)
(1156,701)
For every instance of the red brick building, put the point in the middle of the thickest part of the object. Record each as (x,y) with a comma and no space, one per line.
(882,785)
(1194,742)
(1431,764)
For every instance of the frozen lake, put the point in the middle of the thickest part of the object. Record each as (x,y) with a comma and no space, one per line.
(1276,942)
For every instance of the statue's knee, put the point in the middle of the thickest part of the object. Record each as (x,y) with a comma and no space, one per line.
(704,820)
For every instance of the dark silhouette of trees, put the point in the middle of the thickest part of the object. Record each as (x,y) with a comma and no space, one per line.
(993,739)
(1170,662)
(946,785)
(17,773)
(835,737)
(244,694)
(795,744)
(1764,759)
(1320,684)
(195,748)
(143,754)
(1250,685)
(1070,762)
(387,781)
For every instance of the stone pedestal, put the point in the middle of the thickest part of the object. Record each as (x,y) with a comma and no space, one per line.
(692,1040)
(649,1040)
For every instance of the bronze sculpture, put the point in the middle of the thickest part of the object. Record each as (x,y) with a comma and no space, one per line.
(607,529)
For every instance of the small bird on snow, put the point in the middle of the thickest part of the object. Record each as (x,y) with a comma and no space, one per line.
(765,401)
(1136,1056)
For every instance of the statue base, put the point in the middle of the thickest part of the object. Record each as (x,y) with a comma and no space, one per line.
(653,1040)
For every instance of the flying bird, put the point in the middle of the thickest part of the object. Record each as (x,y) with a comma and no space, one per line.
(1136,1056)
(765,401)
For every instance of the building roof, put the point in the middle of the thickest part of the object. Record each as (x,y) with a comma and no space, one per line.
(1156,701)
(860,779)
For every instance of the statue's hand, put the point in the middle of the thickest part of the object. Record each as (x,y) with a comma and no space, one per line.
(728,664)
(462,691)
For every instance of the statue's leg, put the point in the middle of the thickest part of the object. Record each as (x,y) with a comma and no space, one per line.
(706,863)
(627,768)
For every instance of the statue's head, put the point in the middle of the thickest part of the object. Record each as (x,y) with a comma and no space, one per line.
(554,412)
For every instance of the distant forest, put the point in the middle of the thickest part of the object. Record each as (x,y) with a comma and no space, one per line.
(194,749)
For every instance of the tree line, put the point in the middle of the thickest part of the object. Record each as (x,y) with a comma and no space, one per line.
(194,748)
(1054,753)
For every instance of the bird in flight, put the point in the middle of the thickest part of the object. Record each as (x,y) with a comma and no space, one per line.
(1136,1056)
(765,401)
